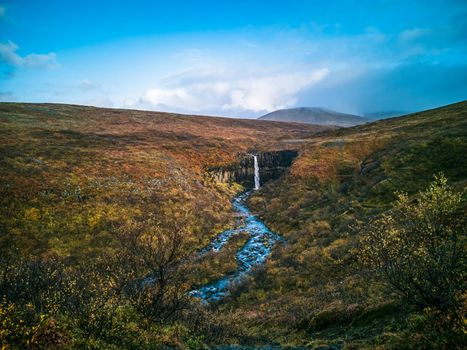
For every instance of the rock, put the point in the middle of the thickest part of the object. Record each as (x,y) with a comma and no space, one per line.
(271,166)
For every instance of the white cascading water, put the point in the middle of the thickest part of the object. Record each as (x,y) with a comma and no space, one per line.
(256,172)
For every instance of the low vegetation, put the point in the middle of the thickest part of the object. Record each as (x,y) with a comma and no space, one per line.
(314,290)
(418,248)
(102,212)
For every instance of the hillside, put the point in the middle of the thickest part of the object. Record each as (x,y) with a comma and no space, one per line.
(61,148)
(314,115)
(312,286)
(80,183)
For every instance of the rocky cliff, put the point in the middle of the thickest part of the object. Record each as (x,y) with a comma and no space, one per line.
(271,166)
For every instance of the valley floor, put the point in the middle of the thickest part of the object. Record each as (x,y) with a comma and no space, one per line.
(92,200)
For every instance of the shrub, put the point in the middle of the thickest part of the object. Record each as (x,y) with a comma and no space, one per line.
(419,247)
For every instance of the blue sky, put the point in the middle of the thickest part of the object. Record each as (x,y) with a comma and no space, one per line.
(235,58)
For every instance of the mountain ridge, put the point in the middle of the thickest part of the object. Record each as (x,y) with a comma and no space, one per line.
(315,115)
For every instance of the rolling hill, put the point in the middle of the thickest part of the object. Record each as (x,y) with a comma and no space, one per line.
(75,180)
(60,148)
(342,180)
(315,115)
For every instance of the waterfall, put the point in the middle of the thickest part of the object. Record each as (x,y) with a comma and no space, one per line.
(256,172)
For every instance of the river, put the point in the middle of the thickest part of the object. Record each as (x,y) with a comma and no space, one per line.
(254,253)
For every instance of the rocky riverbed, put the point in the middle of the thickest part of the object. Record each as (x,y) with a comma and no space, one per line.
(253,253)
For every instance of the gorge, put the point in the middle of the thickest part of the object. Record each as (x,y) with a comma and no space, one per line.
(259,245)
(270,165)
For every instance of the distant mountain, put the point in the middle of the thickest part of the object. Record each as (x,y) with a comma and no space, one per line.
(384,114)
(315,115)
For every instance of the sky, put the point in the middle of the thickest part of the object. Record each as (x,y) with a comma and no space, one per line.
(235,58)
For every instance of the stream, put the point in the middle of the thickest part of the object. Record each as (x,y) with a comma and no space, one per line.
(253,253)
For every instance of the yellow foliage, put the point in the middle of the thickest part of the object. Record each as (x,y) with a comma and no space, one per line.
(93,220)
(32,214)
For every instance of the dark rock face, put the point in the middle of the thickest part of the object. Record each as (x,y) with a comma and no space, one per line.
(271,166)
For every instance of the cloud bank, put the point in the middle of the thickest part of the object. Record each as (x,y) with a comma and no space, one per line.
(226,93)
(375,56)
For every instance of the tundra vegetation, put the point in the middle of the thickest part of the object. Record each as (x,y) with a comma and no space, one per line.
(102,213)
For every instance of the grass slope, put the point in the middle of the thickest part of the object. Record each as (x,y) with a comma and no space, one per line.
(69,173)
(311,291)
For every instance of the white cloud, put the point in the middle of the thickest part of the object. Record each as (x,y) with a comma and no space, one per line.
(233,92)
(87,84)
(413,34)
(272,92)
(40,61)
(129,103)
(9,56)
(100,101)
(180,98)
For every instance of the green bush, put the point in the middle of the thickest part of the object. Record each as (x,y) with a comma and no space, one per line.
(419,248)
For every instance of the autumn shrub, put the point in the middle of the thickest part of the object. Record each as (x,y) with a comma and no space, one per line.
(419,248)
(154,252)
(32,283)
(29,297)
